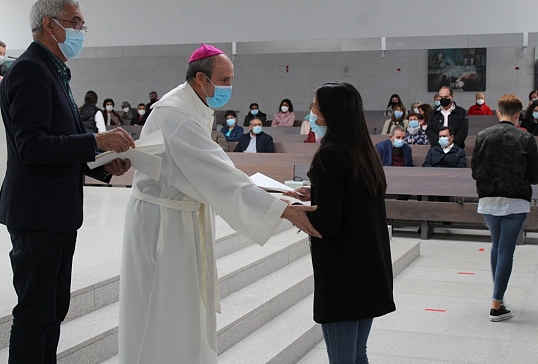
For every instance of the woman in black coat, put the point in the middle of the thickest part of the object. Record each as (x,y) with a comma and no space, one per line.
(352,263)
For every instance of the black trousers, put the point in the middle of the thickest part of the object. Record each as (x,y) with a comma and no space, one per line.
(42,265)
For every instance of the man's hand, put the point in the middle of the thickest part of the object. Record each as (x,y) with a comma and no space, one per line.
(117,167)
(302,194)
(297,216)
(116,140)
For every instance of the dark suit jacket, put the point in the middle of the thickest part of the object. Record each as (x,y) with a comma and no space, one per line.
(264,143)
(455,158)
(457,120)
(47,147)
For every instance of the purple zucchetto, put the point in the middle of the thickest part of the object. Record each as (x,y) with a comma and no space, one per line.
(204,51)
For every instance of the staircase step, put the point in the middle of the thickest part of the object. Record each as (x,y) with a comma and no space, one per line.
(247,310)
(285,339)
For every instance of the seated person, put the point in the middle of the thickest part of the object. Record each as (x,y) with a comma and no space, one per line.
(393,151)
(140,117)
(480,107)
(127,113)
(530,122)
(256,141)
(231,131)
(285,115)
(415,133)
(219,138)
(393,101)
(414,107)
(255,112)
(446,154)
(397,119)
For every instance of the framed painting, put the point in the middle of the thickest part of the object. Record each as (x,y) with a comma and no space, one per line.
(459,68)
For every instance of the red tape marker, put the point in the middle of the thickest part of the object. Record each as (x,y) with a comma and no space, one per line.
(469,273)
(434,310)
(481,249)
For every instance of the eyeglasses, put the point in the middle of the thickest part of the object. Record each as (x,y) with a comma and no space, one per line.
(77,25)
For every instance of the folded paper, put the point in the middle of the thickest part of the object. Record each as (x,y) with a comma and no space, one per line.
(142,157)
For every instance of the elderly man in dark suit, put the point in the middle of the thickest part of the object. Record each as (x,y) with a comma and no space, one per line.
(41,197)
(256,141)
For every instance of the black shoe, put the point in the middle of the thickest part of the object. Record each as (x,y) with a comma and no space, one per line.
(501,314)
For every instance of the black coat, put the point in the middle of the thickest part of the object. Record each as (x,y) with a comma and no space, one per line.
(457,120)
(455,158)
(352,262)
(264,143)
(47,145)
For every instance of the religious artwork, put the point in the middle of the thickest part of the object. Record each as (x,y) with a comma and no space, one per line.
(459,68)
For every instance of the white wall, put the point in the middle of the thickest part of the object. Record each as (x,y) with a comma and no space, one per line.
(142,22)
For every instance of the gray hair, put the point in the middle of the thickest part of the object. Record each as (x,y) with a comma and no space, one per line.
(204,65)
(396,128)
(43,8)
(255,118)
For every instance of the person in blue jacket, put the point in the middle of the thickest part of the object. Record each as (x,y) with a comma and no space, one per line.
(394,151)
(231,130)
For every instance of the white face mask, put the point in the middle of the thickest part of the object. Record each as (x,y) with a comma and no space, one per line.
(415,110)
(125,109)
(109,107)
(480,101)
(142,112)
(284,108)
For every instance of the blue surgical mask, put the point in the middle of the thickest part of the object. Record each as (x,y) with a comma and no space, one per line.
(230,121)
(257,129)
(73,43)
(317,129)
(535,114)
(437,103)
(443,141)
(413,123)
(220,97)
(398,114)
(254,112)
(398,143)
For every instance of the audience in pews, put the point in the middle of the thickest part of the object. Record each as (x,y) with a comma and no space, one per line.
(127,113)
(480,107)
(414,107)
(393,101)
(231,130)
(504,165)
(394,151)
(256,141)
(530,122)
(219,138)
(415,133)
(424,112)
(254,111)
(448,114)
(285,115)
(396,119)
(141,116)
(111,117)
(446,154)
(91,115)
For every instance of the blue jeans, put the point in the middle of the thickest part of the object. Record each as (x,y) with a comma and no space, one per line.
(504,233)
(41,263)
(346,341)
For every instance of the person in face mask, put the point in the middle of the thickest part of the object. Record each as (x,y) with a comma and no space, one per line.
(414,107)
(3,67)
(111,117)
(415,134)
(530,121)
(254,111)
(256,141)
(127,112)
(171,222)
(393,101)
(231,130)
(446,154)
(436,100)
(395,151)
(448,114)
(141,116)
(42,193)
(480,107)
(425,111)
(397,119)
(285,115)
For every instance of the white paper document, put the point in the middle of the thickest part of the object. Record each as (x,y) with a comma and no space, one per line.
(267,183)
(142,158)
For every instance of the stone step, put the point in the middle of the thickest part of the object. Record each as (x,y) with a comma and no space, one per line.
(285,339)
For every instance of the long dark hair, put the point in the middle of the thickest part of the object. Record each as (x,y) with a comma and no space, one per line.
(341,106)
(530,109)
(393,96)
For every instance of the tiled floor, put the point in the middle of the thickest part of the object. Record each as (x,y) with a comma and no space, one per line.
(443,301)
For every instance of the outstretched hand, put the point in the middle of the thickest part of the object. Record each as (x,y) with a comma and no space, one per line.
(301,193)
(296,214)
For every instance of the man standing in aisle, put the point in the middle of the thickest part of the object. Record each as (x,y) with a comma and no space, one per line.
(168,288)
(448,114)
(41,197)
